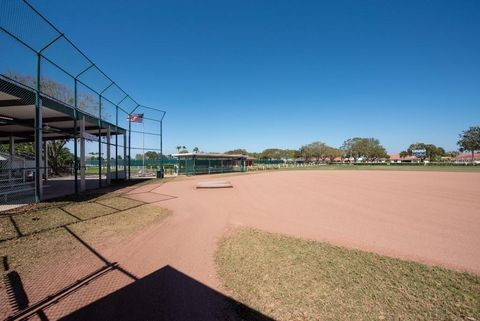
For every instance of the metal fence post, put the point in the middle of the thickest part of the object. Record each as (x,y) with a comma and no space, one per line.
(38,133)
(75,134)
(99,141)
(129,142)
(116,143)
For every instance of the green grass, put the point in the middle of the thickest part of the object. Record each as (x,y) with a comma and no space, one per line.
(293,279)
(7,230)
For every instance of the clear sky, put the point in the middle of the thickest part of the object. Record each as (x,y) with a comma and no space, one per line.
(273,73)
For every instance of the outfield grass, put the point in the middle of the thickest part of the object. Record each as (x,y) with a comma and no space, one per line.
(293,279)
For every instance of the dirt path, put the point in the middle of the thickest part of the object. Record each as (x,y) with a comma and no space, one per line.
(430,217)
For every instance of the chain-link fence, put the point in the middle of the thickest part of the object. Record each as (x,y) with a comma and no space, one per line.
(58,109)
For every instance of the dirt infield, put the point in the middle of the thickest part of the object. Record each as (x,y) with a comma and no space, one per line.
(431,217)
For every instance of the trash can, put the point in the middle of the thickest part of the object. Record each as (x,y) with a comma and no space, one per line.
(160,174)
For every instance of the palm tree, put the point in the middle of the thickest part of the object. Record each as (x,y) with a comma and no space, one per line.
(196,149)
(179,147)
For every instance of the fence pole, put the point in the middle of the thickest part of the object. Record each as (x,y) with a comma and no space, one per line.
(75,134)
(38,133)
(161,145)
(99,141)
(129,147)
(116,143)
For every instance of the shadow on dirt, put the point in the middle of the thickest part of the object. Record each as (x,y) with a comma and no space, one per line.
(166,294)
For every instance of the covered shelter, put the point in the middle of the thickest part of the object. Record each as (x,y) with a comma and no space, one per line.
(205,163)
(27,118)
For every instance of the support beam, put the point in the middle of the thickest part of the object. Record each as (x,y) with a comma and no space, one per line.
(125,156)
(82,155)
(116,143)
(129,147)
(161,146)
(45,161)
(99,141)
(75,135)
(11,151)
(38,135)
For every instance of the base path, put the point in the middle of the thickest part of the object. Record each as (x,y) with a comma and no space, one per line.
(430,217)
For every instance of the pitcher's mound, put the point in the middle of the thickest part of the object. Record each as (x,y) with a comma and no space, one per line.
(214,184)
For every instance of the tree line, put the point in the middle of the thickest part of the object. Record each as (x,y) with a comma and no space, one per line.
(366,149)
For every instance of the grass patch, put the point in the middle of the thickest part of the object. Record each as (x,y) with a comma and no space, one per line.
(119,224)
(293,279)
(36,221)
(7,230)
(28,253)
(87,210)
(120,203)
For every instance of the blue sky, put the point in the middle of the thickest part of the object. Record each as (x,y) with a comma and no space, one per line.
(273,73)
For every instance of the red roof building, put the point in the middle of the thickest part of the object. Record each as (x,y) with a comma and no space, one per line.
(467,157)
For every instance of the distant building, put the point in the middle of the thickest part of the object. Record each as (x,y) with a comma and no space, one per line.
(396,158)
(467,157)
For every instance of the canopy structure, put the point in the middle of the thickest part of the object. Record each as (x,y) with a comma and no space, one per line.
(56,121)
(59,120)
(204,163)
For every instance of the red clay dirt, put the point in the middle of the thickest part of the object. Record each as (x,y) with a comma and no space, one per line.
(431,217)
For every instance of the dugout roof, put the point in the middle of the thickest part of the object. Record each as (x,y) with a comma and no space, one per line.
(17,116)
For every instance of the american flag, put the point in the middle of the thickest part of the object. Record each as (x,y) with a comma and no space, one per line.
(135,118)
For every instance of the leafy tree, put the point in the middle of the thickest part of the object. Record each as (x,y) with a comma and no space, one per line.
(432,152)
(196,149)
(255,154)
(272,153)
(60,159)
(237,151)
(315,150)
(292,153)
(59,91)
(368,148)
(469,140)
(151,155)
(333,153)
(403,153)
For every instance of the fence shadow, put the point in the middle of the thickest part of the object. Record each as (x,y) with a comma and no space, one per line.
(166,294)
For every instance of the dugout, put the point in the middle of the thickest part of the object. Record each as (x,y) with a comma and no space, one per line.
(26,118)
(204,163)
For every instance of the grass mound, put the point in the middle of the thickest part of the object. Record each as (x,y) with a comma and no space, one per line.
(293,279)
